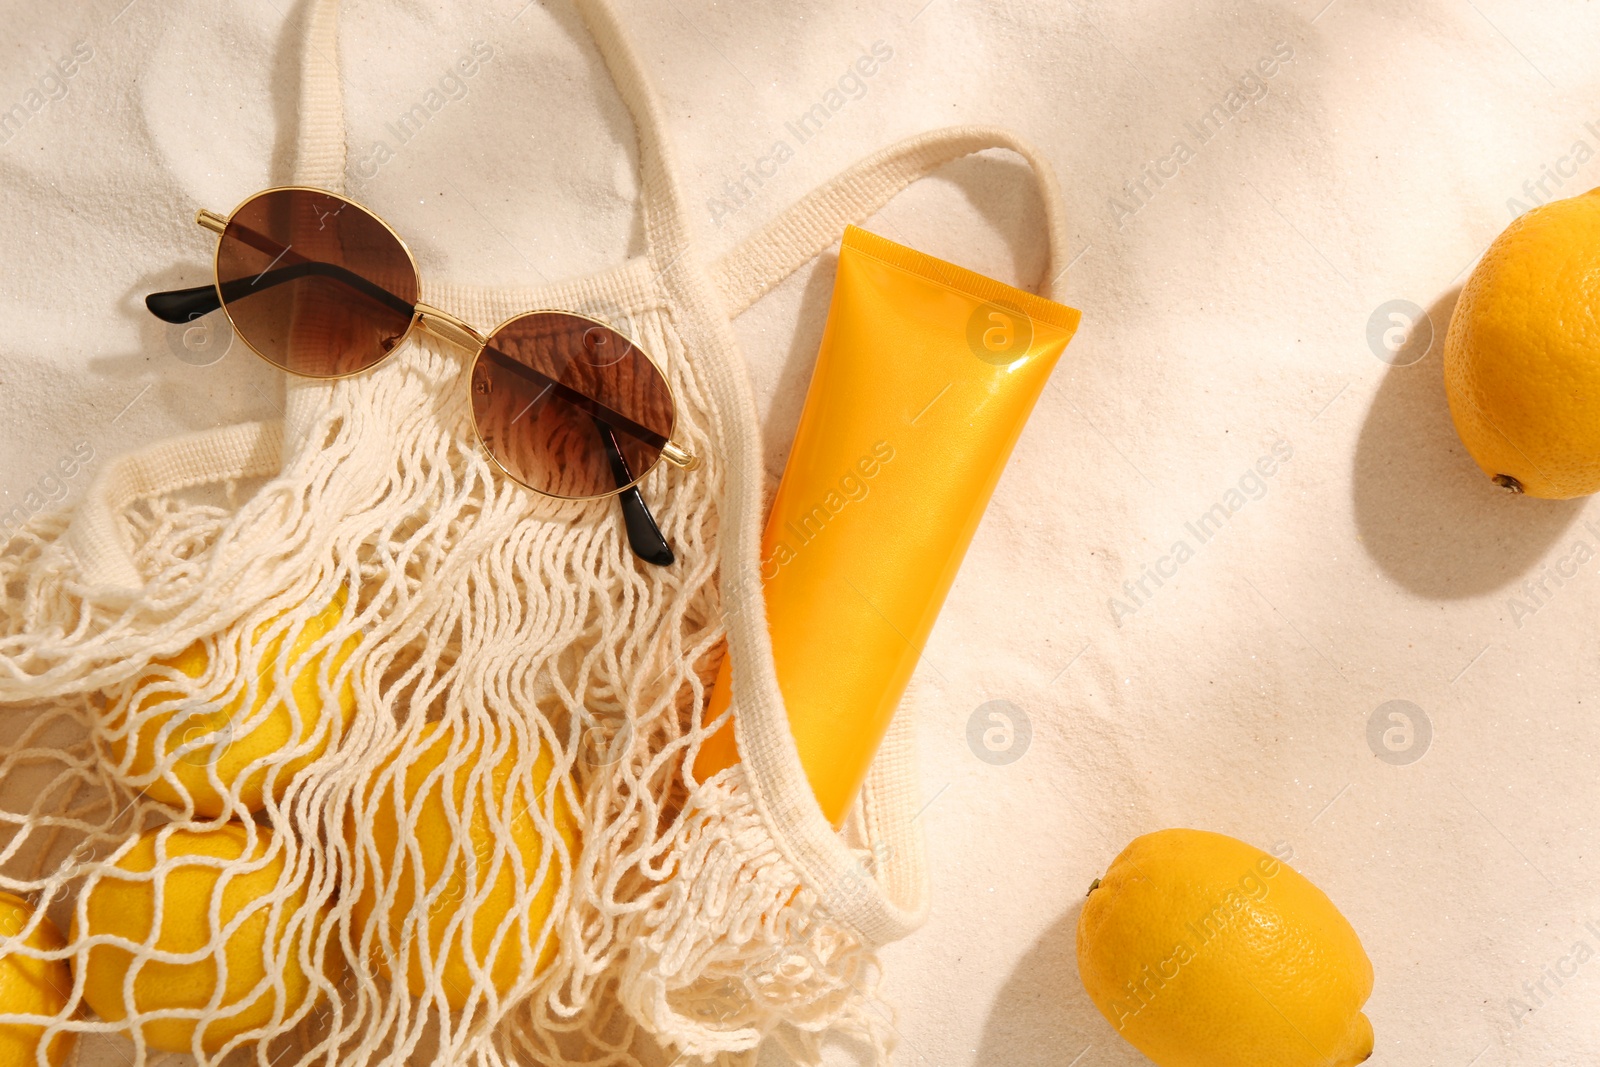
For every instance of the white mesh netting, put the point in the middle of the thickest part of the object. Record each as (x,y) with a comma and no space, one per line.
(388,763)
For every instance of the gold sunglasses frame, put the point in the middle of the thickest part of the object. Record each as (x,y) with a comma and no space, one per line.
(443,326)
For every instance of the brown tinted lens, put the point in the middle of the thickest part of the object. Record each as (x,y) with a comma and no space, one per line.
(570,407)
(314,283)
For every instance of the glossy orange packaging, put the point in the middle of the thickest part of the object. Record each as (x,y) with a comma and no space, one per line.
(925,377)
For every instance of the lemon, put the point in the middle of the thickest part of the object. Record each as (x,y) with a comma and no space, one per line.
(202,736)
(1522,357)
(123,903)
(31,986)
(1203,951)
(444,860)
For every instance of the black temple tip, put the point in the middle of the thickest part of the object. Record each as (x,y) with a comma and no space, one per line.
(644,536)
(183,305)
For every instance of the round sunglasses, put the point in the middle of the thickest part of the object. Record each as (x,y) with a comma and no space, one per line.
(562,403)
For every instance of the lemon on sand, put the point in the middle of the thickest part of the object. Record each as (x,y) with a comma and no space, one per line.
(202,736)
(421,829)
(1203,951)
(1522,357)
(123,901)
(31,986)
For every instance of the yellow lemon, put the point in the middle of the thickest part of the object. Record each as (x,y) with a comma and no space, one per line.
(1522,358)
(123,903)
(421,829)
(201,736)
(31,986)
(1203,951)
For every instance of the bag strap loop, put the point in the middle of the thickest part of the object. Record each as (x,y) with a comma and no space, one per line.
(815,223)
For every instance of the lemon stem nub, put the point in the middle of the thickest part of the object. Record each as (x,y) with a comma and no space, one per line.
(1508,483)
(1093,886)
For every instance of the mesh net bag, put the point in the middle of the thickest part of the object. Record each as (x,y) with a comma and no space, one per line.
(322,742)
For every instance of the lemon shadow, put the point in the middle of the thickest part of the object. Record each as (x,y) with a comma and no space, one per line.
(1425,513)
(1043,1016)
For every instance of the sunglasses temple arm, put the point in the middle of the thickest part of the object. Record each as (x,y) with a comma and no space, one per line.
(644,536)
(184,305)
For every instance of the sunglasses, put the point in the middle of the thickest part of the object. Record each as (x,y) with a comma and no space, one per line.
(562,403)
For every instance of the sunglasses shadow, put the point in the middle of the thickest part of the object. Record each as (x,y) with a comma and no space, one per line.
(187,377)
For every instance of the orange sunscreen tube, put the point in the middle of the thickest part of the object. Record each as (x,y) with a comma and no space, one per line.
(925,377)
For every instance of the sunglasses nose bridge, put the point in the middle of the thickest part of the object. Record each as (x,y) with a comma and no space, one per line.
(446,326)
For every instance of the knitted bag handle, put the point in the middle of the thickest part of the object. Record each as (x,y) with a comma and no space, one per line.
(816,222)
(881,908)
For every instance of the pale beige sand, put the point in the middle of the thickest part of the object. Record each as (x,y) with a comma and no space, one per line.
(1224,310)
